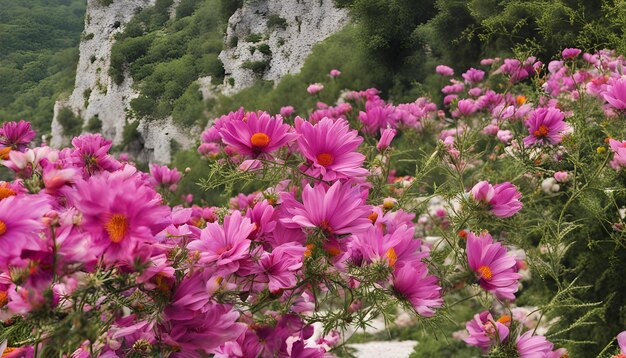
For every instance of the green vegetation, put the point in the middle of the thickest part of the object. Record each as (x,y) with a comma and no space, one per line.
(71,123)
(165,57)
(38,56)
(275,21)
(94,124)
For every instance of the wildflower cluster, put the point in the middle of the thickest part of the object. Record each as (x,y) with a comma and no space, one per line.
(350,212)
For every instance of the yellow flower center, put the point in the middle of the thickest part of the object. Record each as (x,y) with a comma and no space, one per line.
(541,132)
(485,272)
(8,351)
(391,255)
(325,159)
(116,227)
(260,140)
(3,228)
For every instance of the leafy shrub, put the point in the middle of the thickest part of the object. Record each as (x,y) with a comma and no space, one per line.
(258,67)
(274,21)
(71,123)
(254,38)
(94,124)
(264,49)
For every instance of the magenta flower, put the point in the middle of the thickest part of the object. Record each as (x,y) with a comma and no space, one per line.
(377,115)
(502,200)
(21,222)
(393,248)
(546,126)
(444,70)
(386,136)
(286,111)
(315,88)
(120,213)
(484,331)
(467,106)
(257,134)
(615,94)
(495,268)
(412,281)
(529,346)
(336,210)
(193,322)
(621,342)
(224,246)
(473,75)
(16,135)
(164,176)
(331,147)
(91,152)
(280,267)
(570,53)
(334,72)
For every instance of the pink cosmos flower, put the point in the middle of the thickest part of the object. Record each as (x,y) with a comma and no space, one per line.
(412,281)
(279,268)
(224,246)
(334,72)
(164,176)
(546,126)
(473,75)
(376,116)
(494,267)
(467,106)
(444,70)
(16,135)
(615,94)
(484,331)
(529,346)
(331,148)
(621,342)
(315,88)
(502,199)
(570,53)
(561,176)
(386,136)
(504,136)
(120,213)
(91,152)
(21,221)
(286,111)
(336,210)
(257,134)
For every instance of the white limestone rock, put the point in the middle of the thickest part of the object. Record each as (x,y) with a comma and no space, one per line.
(307,22)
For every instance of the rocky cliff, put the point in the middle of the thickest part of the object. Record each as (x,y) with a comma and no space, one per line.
(276,35)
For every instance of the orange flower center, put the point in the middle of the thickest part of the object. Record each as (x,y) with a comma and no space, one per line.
(161,282)
(325,159)
(8,351)
(485,272)
(325,226)
(520,100)
(4,153)
(541,132)
(391,255)
(506,319)
(373,216)
(260,140)
(6,192)
(3,228)
(309,250)
(333,250)
(4,298)
(116,227)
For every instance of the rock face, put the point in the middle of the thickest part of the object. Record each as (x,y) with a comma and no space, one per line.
(287,28)
(97,95)
(282,33)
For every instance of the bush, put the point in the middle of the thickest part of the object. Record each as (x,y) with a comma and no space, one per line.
(274,21)
(254,38)
(94,125)
(264,49)
(258,67)
(71,123)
